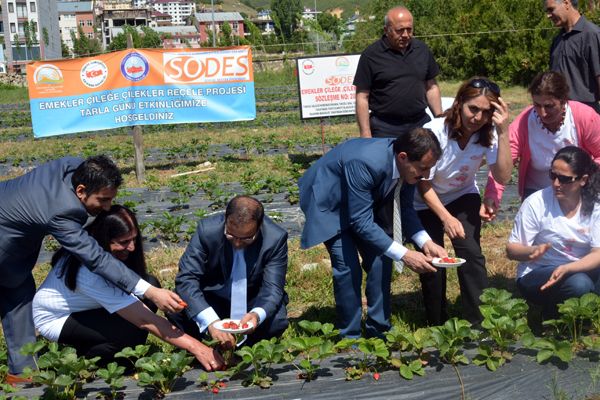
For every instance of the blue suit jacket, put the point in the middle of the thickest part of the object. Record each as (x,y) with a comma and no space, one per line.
(343,188)
(43,202)
(206,265)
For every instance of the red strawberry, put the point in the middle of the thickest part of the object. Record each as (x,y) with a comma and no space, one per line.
(215,390)
(226,325)
(245,326)
(222,385)
(376,376)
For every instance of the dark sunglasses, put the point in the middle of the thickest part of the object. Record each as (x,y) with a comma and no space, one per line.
(562,179)
(481,83)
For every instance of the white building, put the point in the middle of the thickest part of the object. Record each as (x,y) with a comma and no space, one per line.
(179,10)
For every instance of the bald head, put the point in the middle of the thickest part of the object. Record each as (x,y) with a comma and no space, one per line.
(398,28)
(244,210)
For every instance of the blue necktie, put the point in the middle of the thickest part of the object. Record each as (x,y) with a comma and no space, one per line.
(238,285)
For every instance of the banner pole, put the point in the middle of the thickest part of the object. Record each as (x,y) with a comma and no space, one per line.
(322,135)
(138,141)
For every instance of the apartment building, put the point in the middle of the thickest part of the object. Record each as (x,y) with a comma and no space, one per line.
(204,23)
(28,37)
(71,16)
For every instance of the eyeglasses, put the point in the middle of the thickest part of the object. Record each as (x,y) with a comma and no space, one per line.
(562,179)
(481,83)
(248,239)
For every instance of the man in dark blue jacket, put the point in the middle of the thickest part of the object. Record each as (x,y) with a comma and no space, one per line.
(234,266)
(346,197)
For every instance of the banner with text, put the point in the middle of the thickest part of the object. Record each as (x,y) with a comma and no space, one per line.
(325,85)
(141,87)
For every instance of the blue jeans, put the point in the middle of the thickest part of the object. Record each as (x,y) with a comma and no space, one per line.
(347,281)
(574,285)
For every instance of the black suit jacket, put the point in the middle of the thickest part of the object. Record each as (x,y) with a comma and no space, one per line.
(206,265)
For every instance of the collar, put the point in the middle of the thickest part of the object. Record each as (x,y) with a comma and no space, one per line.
(385,45)
(395,172)
(578,27)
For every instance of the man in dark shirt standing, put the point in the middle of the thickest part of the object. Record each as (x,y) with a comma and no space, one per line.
(395,79)
(575,51)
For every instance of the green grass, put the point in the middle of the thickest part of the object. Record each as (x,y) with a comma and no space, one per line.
(13,94)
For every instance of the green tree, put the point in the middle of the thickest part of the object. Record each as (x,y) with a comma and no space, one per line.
(225,38)
(255,35)
(147,38)
(66,53)
(330,23)
(83,45)
(285,14)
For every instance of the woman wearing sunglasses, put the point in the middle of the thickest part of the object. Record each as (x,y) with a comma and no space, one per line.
(79,308)
(474,129)
(552,123)
(556,234)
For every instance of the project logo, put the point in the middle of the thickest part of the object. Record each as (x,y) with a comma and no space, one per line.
(308,67)
(134,67)
(47,74)
(94,73)
(342,63)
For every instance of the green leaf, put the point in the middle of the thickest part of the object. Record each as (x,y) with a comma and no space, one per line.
(406,372)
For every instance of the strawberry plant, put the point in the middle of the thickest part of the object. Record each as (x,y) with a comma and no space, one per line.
(309,349)
(548,348)
(573,313)
(161,371)
(450,337)
(132,355)
(113,376)
(212,385)
(415,343)
(260,356)
(374,353)
(504,321)
(61,370)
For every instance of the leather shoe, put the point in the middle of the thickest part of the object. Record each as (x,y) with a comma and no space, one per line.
(17,380)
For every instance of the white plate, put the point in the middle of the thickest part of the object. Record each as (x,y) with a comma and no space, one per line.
(437,262)
(219,326)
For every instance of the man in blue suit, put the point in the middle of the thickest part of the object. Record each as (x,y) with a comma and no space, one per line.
(56,199)
(346,197)
(241,255)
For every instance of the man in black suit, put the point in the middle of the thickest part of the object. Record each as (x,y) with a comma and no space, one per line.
(56,199)
(235,266)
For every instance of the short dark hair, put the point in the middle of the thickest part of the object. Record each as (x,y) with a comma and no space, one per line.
(244,209)
(417,143)
(108,225)
(97,173)
(466,92)
(550,83)
(581,163)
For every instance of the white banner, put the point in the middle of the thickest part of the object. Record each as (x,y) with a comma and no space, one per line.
(325,85)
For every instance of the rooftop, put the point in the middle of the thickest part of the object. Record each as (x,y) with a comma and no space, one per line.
(219,16)
(74,6)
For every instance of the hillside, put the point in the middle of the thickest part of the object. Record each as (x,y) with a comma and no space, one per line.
(249,7)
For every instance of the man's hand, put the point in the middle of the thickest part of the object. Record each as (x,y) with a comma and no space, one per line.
(431,249)
(556,276)
(225,339)
(418,262)
(539,251)
(252,318)
(164,299)
(453,228)
(488,210)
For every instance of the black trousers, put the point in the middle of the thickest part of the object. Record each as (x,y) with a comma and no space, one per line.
(98,333)
(472,275)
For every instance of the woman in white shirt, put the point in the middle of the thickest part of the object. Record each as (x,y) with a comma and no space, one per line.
(556,235)
(473,129)
(79,308)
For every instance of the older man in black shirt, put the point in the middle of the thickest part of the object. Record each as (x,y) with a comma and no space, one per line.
(395,79)
(575,51)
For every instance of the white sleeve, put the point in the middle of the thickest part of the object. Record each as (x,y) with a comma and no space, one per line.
(595,228)
(105,293)
(526,226)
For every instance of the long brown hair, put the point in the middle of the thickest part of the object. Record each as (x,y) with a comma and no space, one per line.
(465,93)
